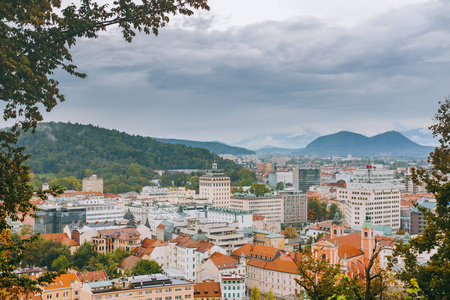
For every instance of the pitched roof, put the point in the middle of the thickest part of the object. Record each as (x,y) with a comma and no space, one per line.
(349,245)
(92,276)
(63,281)
(386,241)
(57,237)
(258,251)
(223,261)
(207,290)
(129,262)
(185,241)
(152,243)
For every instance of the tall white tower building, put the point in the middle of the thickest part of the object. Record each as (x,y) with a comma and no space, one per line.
(380,197)
(215,187)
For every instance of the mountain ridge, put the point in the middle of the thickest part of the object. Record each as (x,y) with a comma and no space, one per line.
(342,143)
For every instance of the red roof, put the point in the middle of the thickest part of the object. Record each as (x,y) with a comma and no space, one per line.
(207,290)
(185,241)
(258,251)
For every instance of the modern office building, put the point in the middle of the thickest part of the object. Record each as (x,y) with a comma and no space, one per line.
(304,178)
(215,187)
(53,219)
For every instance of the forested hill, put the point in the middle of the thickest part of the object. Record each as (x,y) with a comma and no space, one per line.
(72,148)
(214,147)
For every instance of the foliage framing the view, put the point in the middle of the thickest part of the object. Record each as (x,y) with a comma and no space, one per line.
(433,278)
(35,38)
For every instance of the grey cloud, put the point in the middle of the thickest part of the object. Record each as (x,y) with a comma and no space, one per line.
(307,71)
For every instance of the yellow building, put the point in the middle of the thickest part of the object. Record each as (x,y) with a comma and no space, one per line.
(65,287)
(268,238)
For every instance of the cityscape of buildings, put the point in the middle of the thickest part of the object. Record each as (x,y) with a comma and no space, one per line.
(219,243)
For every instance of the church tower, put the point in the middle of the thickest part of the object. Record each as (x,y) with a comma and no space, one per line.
(337,226)
(367,237)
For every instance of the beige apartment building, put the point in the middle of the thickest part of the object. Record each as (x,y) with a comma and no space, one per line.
(215,187)
(93,184)
(155,287)
(271,207)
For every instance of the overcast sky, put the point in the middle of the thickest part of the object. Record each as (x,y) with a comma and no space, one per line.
(255,72)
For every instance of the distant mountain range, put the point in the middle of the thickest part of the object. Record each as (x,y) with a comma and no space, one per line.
(213,147)
(388,144)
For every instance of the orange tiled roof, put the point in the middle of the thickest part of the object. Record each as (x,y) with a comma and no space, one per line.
(349,245)
(63,281)
(92,276)
(161,226)
(207,290)
(286,263)
(57,237)
(223,261)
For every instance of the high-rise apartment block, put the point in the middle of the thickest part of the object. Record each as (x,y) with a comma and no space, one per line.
(215,187)
(295,207)
(93,184)
(304,178)
(379,196)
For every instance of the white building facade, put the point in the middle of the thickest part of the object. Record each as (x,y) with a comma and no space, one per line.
(215,187)
(381,199)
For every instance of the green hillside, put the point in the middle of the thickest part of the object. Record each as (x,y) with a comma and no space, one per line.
(78,150)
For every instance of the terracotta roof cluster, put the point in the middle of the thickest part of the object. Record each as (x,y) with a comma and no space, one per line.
(223,261)
(185,241)
(92,276)
(257,251)
(207,290)
(57,237)
(286,263)
(124,234)
(410,199)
